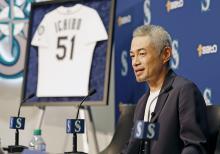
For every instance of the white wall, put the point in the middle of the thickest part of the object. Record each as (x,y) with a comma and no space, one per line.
(53,127)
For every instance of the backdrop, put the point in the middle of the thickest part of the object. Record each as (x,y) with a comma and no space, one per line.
(194,28)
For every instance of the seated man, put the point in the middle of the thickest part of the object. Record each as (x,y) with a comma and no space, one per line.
(172,101)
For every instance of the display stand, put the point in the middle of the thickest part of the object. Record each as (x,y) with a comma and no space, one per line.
(85,113)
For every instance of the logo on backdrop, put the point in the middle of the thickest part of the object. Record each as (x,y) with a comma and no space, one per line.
(147,12)
(13,34)
(124,20)
(205,4)
(175,61)
(124,63)
(174,5)
(208,49)
(207,94)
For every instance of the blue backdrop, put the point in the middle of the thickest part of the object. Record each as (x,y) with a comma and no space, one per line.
(194,28)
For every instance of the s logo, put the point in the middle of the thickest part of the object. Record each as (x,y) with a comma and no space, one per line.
(68,127)
(175,55)
(151,131)
(139,128)
(124,69)
(147,12)
(77,126)
(18,123)
(11,122)
(207,94)
(205,4)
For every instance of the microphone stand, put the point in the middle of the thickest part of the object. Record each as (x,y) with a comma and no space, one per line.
(146,147)
(17,147)
(93,91)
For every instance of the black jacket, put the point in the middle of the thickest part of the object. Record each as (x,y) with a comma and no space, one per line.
(181,113)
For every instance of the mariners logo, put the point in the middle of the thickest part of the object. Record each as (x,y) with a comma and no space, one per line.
(147,12)
(14,16)
(124,63)
(207,94)
(174,63)
(205,4)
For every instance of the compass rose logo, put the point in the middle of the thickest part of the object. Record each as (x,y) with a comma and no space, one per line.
(14,15)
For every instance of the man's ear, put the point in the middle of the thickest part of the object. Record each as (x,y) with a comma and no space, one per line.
(166,54)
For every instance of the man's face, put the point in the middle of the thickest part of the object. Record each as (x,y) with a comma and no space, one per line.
(147,62)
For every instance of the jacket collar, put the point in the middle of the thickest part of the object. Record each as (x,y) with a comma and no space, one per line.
(164,93)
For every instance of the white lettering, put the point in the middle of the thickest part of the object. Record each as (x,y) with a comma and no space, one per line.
(77,126)
(147,12)
(124,70)
(151,131)
(205,5)
(177,4)
(138,132)
(68,126)
(175,55)
(124,20)
(207,94)
(209,49)
(18,123)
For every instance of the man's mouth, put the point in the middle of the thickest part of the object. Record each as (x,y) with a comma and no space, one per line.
(138,71)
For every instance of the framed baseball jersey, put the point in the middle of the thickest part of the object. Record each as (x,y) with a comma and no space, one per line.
(68,52)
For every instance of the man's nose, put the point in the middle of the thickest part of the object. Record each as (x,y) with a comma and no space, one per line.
(135,61)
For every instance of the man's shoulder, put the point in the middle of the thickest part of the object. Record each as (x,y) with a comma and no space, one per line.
(181,81)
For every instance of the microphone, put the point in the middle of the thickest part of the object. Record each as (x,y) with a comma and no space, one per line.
(91,92)
(17,123)
(77,125)
(24,100)
(153,114)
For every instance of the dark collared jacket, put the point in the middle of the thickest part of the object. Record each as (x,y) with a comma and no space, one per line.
(181,113)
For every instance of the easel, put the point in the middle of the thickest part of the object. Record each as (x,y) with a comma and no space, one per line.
(90,139)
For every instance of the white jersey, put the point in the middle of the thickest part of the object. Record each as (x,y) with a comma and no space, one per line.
(66,39)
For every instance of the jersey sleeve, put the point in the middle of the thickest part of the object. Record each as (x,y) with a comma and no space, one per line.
(41,34)
(95,30)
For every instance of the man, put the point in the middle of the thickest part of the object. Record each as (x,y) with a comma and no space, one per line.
(172,101)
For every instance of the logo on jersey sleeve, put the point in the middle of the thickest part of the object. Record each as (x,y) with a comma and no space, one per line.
(41,30)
